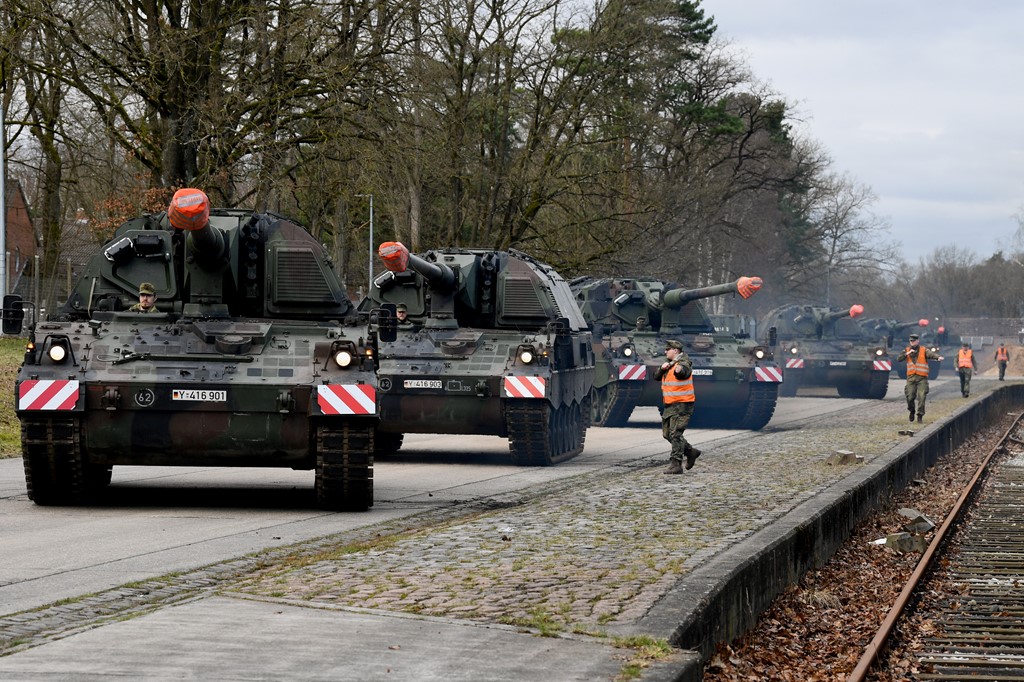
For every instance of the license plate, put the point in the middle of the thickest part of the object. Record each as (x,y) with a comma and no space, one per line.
(422,383)
(703,372)
(199,395)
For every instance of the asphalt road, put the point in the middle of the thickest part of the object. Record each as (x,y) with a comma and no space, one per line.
(158,520)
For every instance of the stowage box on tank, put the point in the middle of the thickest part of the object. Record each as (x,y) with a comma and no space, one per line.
(494,345)
(254,358)
(822,346)
(735,379)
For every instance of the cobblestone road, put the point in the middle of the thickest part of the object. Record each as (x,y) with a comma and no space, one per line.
(596,550)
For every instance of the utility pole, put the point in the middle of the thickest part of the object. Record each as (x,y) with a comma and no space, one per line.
(370,269)
(3,197)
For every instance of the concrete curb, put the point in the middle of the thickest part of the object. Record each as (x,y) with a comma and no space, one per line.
(723,599)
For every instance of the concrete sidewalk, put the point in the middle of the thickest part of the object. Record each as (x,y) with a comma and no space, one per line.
(558,587)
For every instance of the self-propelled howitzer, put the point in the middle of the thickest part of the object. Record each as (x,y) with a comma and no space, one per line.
(255,357)
(824,347)
(736,380)
(494,345)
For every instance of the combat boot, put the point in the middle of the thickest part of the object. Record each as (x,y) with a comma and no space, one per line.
(674,467)
(691,458)
(920,418)
(911,414)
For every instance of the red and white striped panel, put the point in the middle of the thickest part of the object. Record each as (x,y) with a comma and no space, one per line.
(794,363)
(347,398)
(769,374)
(632,372)
(884,365)
(524,387)
(47,394)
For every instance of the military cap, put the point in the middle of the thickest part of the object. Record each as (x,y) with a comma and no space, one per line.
(146,288)
(966,344)
(672,343)
(914,337)
(402,308)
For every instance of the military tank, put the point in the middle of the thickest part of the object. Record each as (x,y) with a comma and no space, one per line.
(736,380)
(255,357)
(826,347)
(494,345)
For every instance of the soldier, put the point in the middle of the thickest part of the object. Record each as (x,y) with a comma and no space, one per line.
(676,376)
(1002,357)
(402,315)
(965,365)
(147,300)
(916,390)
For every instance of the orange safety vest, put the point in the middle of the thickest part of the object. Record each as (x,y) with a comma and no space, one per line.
(674,390)
(964,359)
(917,366)
(1002,355)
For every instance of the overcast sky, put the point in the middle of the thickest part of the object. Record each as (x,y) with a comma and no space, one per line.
(921,100)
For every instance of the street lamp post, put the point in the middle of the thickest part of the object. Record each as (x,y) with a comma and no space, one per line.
(370,270)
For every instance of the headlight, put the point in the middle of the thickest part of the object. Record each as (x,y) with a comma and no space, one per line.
(879,352)
(759,353)
(58,352)
(526,356)
(343,358)
(627,352)
(793,350)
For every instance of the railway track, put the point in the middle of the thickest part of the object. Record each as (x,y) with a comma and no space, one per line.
(967,592)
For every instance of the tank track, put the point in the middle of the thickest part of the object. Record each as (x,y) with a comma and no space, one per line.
(621,398)
(873,388)
(760,406)
(539,435)
(344,465)
(52,454)
(878,386)
(789,387)
(387,443)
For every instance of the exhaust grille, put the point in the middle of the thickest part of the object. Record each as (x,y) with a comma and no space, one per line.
(520,299)
(299,279)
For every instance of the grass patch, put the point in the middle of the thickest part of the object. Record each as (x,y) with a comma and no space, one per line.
(646,650)
(537,619)
(12,352)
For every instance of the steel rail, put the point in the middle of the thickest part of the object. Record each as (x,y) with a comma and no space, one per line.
(877,645)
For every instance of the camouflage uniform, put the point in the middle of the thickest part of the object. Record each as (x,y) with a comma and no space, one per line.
(149,289)
(916,390)
(675,417)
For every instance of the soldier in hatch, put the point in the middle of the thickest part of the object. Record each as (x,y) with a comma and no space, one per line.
(147,300)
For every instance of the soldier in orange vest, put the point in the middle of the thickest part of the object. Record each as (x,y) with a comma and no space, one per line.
(965,366)
(1002,357)
(676,377)
(916,390)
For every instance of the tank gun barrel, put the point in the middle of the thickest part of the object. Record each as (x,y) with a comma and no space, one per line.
(745,286)
(907,325)
(821,317)
(190,211)
(397,259)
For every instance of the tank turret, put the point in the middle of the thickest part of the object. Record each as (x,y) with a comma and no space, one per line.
(207,262)
(493,344)
(254,356)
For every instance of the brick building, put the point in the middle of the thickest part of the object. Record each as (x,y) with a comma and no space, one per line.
(22,241)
